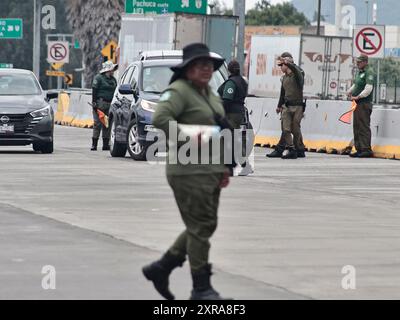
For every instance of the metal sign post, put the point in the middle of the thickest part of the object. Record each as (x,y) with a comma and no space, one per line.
(59,52)
(37,5)
(239,9)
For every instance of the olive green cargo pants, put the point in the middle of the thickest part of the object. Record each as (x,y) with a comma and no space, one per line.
(197,197)
(291,124)
(362,127)
(98,127)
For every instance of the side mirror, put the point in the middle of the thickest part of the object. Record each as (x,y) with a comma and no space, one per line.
(125,89)
(51,95)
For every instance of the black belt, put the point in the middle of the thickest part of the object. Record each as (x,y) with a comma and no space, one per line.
(294,103)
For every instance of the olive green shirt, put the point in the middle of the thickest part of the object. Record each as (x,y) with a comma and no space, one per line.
(104,87)
(362,78)
(182,103)
(292,87)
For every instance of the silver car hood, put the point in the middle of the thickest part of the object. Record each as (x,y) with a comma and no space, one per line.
(21,104)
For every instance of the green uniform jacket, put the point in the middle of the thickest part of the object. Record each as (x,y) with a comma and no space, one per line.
(292,87)
(183,104)
(104,87)
(363,77)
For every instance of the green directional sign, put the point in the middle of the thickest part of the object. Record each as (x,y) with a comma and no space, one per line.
(10,28)
(6,66)
(166,6)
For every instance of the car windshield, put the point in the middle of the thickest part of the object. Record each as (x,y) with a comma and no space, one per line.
(18,84)
(156,79)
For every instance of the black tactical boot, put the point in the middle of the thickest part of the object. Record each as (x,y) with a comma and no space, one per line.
(366,154)
(94,144)
(292,154)
(158,272)
(301,154)
(355,154)
(277,153)
(202,289)
(106,144)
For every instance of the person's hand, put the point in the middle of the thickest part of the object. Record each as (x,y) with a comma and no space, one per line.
(354,98)
(225,180)
(279,110)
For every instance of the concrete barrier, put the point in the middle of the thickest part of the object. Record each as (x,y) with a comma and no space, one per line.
(322,131)
(73,109)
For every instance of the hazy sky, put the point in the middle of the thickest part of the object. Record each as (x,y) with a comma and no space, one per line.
(250,3)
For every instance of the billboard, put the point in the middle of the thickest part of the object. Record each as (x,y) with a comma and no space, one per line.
(264,74)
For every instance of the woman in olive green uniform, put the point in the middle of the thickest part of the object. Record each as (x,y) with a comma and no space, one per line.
(196,186)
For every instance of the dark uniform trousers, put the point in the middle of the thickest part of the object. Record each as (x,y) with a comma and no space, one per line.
(197,197)
(361,127)
(291,124)
(98,127)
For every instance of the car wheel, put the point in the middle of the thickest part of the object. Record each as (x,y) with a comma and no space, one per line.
(117,149)
(136,150)
(36,147)
(47,147)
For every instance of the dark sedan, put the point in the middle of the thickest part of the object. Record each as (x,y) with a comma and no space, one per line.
(25,114)
(134,103)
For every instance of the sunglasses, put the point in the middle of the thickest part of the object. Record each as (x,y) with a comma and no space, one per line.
(280,64)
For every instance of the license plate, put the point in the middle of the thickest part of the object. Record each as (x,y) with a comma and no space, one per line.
(6,128)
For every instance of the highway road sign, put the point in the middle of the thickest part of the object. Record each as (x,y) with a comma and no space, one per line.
(11,29)
(166,6)
(110,51)
(58,52)
(69,79)
(51,73)
(369,40)
(6,66)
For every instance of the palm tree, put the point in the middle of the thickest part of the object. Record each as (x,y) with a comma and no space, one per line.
(94,23)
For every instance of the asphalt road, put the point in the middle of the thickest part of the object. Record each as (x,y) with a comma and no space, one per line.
(285,232)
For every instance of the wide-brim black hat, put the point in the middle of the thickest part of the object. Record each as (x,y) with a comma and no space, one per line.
(196,51)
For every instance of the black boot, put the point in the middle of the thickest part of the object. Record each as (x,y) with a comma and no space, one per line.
(277,153)
(94,144)
(202,289)
(292,154)
(106,144)
(301,154)
(159,272)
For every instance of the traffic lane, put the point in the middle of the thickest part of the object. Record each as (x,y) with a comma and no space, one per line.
(286,225)
(90,265)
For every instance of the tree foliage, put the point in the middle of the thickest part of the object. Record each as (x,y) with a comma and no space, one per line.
(280,14)
(220,8)
(389,71)
(95,23)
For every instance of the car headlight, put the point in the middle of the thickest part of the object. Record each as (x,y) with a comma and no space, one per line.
(148,105)
(44,112)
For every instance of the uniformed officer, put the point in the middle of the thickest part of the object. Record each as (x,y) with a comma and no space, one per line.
(103,87)
(291,106)
(189,100)
(233,93)
(362,92)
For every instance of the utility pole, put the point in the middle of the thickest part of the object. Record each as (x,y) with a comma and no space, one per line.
(319,18)
(37,6)
(239,9)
